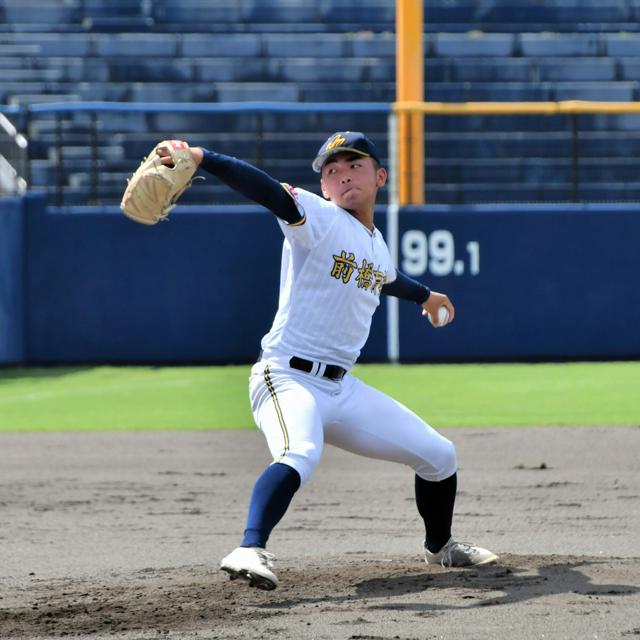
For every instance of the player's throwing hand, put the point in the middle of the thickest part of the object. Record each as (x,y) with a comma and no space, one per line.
(432,309)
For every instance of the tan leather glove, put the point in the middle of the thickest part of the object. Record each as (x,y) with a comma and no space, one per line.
(153,190)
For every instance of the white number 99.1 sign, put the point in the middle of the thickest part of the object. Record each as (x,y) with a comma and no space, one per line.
(436,253)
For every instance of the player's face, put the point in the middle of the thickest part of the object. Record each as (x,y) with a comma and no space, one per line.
(351,180)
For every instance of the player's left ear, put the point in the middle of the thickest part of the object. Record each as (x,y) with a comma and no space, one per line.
(381,177)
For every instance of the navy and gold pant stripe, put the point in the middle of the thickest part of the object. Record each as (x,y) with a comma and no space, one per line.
(276,404)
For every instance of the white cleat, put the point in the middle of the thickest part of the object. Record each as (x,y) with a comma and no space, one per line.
(459,554)
(252,564)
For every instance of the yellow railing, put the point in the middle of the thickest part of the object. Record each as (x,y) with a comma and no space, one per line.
(565,107)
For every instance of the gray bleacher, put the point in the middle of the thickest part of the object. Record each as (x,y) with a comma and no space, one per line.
(336,51)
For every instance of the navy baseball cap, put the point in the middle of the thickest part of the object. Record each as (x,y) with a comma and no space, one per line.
(345,141)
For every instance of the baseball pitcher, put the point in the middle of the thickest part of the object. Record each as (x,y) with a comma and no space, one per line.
(335,266)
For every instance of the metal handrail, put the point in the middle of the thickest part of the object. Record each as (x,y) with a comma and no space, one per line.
(13,174)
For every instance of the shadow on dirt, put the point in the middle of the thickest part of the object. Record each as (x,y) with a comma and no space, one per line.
(516,579)
(505,584)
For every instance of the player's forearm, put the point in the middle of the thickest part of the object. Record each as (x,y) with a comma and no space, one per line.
(252,183)
(407,288)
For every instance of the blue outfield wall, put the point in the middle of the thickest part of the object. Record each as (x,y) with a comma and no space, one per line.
(529,282)
(12,281)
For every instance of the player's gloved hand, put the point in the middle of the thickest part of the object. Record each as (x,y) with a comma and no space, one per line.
(162,177)
(431,307)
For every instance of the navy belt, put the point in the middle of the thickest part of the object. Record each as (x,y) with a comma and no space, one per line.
(331,371)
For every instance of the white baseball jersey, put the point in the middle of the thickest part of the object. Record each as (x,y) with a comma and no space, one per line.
(332,272)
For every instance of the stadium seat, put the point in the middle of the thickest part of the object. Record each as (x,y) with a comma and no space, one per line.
(553,44)
(244,91)
(69,69)
(440,12)
(508,91)
(171,92)
(40,97)
(611,91)
(234,69)
(18,50)
(331,46)
(118,24)
(121,122)
(103,91)
(610,192)
(31,75)
(152,69)
(377,45)
(352,70)
(238,45)
(437,70)
(364,12)
(48,44)
(196,11)
(135,45)
(474,44)
(576,69)
(446,92)
(490,70)
(48,11)
(494,145)
(601,144)
(116,8)
(622,44)
(611,170)
(629,68)
(497,192)
(367,92)
(280,11)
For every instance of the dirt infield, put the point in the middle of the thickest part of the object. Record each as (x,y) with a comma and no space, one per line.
(120,535)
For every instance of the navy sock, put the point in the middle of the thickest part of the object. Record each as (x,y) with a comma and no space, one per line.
(435,502)
(270,499)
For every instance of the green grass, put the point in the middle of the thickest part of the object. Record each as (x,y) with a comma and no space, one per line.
(148,398)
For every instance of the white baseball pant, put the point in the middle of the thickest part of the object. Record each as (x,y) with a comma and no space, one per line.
(298,412)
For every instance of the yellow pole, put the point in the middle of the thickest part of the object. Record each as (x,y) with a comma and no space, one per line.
(410,87)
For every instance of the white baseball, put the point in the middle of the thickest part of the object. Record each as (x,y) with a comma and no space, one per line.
(443,317)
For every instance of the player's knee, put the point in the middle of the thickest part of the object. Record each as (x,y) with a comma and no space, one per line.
(304,460)
(440,463)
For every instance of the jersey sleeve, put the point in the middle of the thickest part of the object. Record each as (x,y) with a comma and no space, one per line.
(318,216)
